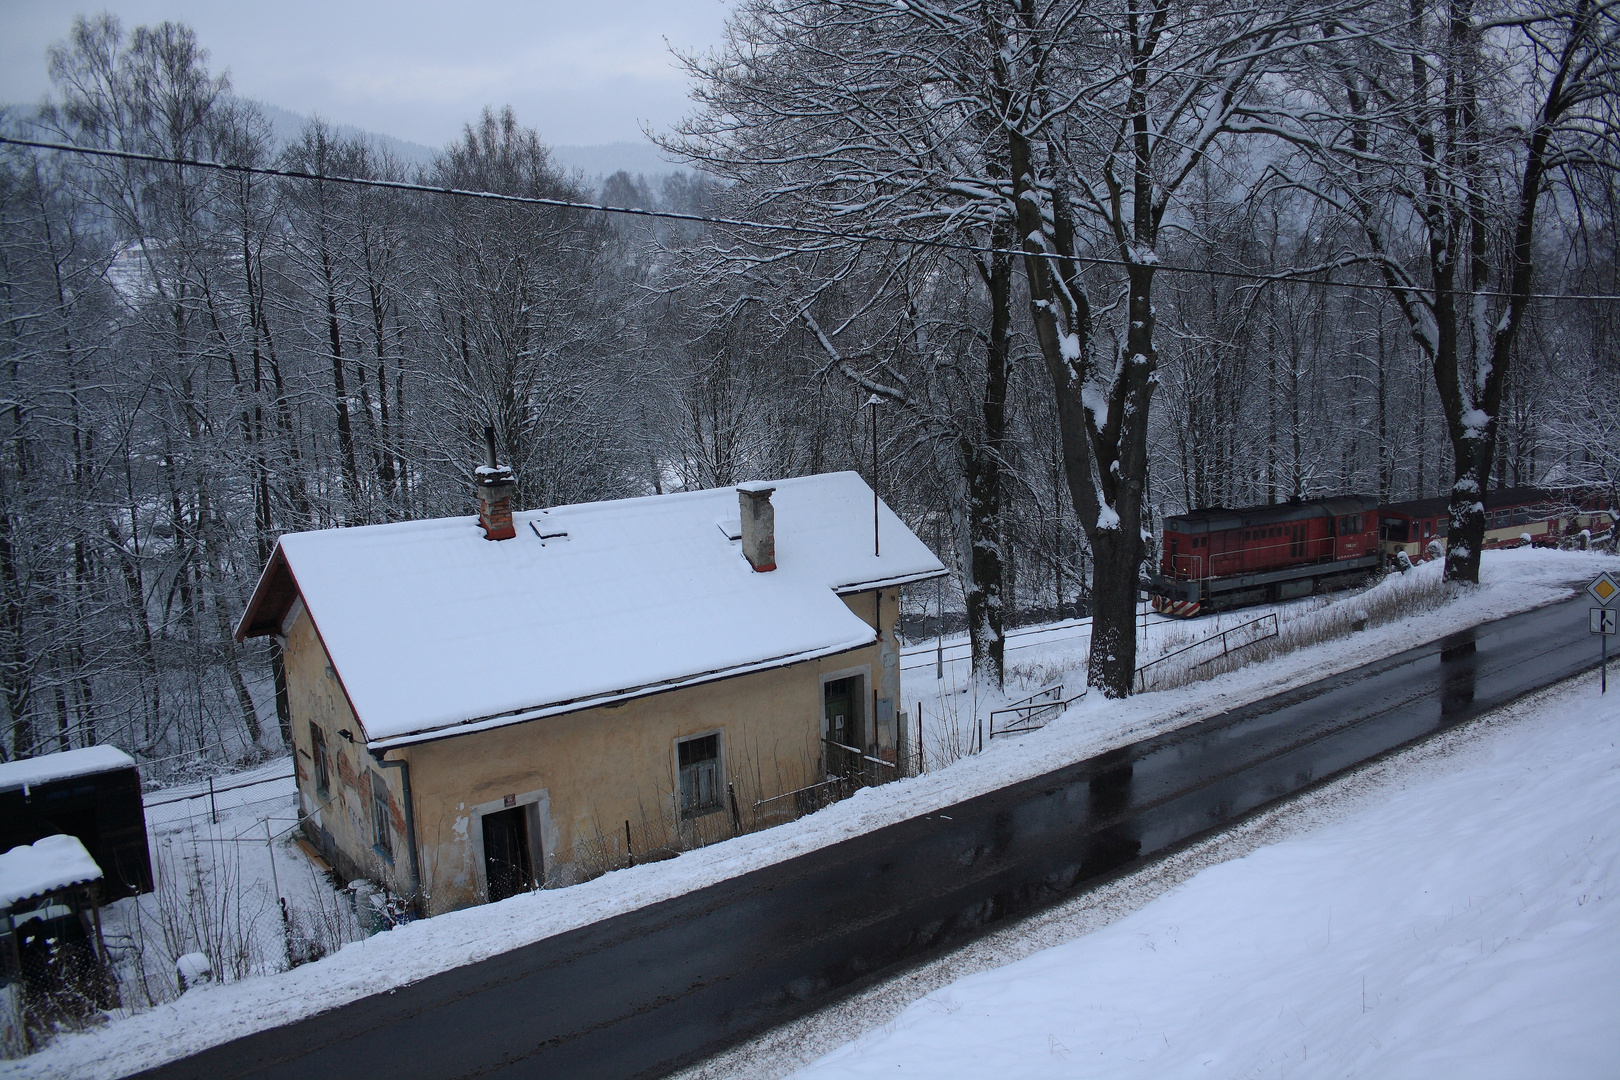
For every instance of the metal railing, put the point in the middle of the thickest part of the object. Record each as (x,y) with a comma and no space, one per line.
(847,768)
(795,804)
(1227,648)
(844,760)
(1033,712)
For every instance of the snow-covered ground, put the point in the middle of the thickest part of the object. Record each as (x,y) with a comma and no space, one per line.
(1462,919)
(955,709)
(1511,581)
(225,866)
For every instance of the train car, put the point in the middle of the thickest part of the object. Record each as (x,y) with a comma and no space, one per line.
(1218,558)
(1511,514)
(1590,510)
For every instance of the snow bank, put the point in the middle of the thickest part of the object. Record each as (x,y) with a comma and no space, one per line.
(1464,926)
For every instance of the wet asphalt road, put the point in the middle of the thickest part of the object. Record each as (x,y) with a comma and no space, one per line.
(655,989)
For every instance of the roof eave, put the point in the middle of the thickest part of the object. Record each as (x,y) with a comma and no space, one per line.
(77,883)
(272,598)
(890,582)
(472,725)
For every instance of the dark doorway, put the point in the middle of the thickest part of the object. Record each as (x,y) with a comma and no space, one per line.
(507,866)
(842,720)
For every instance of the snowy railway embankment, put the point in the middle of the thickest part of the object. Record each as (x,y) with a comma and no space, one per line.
(1513,581)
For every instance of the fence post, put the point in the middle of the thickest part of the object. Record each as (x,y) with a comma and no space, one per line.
(213,810)
(736,815)
(629,853)
(920,767)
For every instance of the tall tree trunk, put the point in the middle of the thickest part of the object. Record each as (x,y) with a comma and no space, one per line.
(16,669)
(340,394)
(224,603)
(982,461)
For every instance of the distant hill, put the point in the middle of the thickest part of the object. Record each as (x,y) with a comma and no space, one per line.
(596,162)
(606,159)
(286,126)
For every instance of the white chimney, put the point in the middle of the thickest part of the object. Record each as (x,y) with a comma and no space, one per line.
(758,524)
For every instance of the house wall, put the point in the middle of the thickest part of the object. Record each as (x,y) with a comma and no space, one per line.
(340,819)
(581,776)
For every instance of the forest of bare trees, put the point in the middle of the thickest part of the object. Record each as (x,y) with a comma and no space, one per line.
(1083,263)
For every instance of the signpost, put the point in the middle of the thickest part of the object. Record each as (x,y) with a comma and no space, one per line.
(1605,620)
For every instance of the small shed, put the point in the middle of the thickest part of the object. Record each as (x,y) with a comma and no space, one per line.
(94,794)
(53,961)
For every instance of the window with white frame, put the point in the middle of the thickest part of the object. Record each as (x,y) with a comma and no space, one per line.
(699,760)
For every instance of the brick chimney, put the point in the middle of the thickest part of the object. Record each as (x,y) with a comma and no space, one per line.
(495,485)
(758,524)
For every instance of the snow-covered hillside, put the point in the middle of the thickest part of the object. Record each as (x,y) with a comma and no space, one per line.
(1462,920)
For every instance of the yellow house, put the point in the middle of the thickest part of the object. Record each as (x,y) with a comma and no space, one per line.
(485,705)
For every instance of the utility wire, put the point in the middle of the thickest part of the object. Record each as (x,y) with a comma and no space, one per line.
(743,223)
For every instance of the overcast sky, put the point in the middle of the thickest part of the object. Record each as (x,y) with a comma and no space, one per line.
(581,72)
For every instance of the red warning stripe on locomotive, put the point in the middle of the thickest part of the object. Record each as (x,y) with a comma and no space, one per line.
(1181,609)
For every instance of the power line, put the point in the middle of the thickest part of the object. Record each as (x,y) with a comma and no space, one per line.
(821,231)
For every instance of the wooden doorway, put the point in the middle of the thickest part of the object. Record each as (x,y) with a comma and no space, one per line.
(841,704)
(508,867)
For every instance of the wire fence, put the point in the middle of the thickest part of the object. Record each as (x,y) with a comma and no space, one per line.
(246,801)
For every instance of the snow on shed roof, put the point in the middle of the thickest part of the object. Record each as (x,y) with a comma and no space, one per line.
(430,626)
(27,772)
(48,864)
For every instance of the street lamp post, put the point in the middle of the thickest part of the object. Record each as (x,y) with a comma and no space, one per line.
(873,402)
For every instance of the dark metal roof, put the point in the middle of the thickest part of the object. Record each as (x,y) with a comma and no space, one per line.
(1439,506)
(1219,518)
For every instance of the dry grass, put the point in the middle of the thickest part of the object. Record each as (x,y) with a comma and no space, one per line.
(1036,675)
(1395,598)
(950,734)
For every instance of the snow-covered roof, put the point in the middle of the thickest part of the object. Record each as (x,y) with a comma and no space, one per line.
(27,772)
(430,627)
(48,864)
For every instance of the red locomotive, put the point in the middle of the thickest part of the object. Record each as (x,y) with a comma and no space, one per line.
(1218,558)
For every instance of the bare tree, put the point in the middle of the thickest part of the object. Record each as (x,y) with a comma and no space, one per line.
(1439,130)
